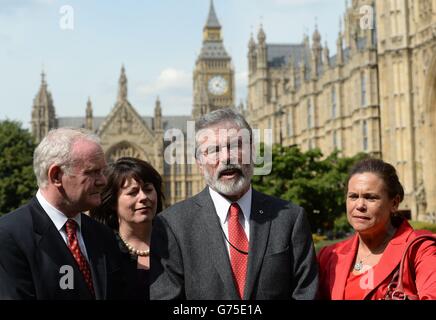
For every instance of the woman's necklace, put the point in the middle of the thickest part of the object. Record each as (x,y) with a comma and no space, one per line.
(358,266)
(134,251)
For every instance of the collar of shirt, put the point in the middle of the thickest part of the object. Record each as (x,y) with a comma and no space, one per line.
(222,205)
(59,219)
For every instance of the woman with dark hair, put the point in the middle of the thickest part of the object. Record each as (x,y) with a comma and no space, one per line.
(130,200)
(362,266)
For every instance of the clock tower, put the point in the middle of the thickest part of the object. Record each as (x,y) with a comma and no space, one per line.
(214,77)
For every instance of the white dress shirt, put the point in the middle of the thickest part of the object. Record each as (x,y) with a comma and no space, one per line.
(59,219)
(222,206)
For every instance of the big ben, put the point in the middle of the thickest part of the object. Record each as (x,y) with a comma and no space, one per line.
(214,77)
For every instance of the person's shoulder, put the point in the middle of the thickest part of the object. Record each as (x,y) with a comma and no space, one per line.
(332,249)
(19,217)
(97,226)
(276,202)
(183,208)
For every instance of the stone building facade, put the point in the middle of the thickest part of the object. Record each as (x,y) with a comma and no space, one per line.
(377,94)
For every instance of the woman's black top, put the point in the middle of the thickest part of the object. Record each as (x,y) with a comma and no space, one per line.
(137,286)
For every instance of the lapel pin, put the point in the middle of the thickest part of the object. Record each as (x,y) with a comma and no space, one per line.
(260,211)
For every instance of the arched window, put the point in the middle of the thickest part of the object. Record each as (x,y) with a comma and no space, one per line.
(309,114)
(333,103)
(362,89)
(365,135)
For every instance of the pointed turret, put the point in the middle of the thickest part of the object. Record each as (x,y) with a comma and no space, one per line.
(261,36)
(339,46)
(306,41)
(251,44)
(252,55)
(261,49)
(157,115)
(89,115)
(122,85)
(326,54)
(316,52)
(212,28)
(302,71)
(316,38)
(43,111)
(212,19)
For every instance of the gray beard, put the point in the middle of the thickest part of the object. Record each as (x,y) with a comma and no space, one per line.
(230,188)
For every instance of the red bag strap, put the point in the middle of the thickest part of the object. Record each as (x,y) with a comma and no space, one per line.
(399,291)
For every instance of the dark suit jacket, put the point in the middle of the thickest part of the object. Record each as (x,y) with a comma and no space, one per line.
(189,258)
(32,252)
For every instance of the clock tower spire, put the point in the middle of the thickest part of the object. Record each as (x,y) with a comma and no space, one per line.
(213,74)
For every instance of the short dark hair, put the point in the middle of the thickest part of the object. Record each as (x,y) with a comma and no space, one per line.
(117,174)
(220,115)
(384,171)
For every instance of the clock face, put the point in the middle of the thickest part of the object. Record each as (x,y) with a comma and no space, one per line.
(218,85)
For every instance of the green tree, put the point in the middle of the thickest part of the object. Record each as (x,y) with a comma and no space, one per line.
(309,180)
(17,180)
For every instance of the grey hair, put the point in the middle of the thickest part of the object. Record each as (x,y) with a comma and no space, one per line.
(221,115)
(55,148)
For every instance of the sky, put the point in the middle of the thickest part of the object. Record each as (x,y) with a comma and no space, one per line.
(81,45)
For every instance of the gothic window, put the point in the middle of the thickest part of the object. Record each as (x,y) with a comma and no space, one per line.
(362,89)
(365,135)
(178,168)
(123,150)
(309,114)
(179,189)
(290,125)
(188,188)
(333,103)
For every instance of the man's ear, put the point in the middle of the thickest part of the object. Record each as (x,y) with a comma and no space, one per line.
(55,174)
(199,164)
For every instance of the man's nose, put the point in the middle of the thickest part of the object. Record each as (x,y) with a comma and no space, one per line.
(225,155)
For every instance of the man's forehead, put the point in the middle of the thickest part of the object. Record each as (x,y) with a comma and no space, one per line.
(88,155)
(220,132)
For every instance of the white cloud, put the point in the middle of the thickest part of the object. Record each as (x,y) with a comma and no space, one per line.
(176,104)
(168,79)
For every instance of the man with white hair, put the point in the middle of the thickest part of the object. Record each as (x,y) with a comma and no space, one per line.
(49,249)
(231,242)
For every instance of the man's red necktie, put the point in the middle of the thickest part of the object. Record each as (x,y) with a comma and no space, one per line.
(238,239)
(73,245)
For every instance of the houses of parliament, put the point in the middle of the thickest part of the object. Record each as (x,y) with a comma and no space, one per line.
(377,95)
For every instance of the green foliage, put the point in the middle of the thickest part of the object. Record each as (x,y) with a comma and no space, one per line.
(17,180)
(309,180)
(341,225)
(419,225)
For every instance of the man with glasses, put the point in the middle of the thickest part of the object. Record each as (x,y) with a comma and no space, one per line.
(49,249)
(230,241)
